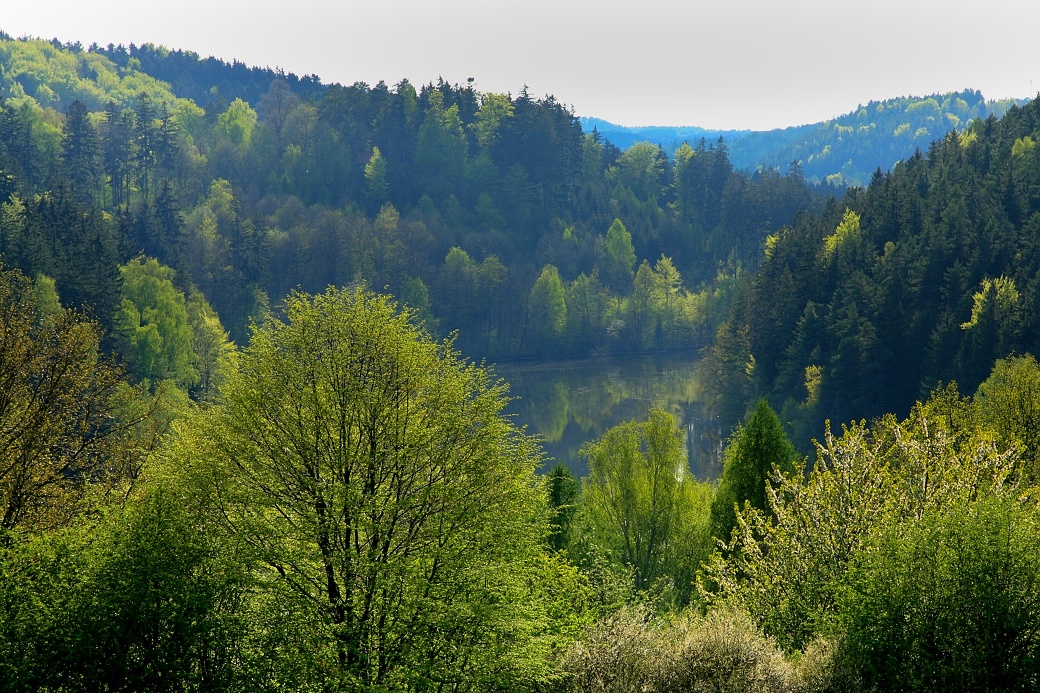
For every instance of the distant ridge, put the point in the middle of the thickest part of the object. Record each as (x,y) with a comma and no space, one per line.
(846,150)
(667,136)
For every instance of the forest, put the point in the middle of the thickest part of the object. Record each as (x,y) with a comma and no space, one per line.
(250,439)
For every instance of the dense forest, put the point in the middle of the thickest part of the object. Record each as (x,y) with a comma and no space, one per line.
(489,214)
(248,441)
(927,276)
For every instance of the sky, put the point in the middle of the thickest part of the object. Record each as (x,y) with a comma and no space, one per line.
(720,64)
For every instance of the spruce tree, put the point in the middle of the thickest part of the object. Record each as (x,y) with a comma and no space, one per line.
(755,449)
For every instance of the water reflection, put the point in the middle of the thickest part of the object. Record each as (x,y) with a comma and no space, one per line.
(569,403)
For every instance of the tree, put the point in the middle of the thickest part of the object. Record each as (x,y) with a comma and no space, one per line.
(81,153)
(1008,403)
(440,154)
(377,183)
(547,308)
(135,598)
(749,461)
(789,565)
(383,494)
(563,496)
(237,122)
(621,257)
(154,320)
(642,170)
(641,502)
(211,347)
(57,398)
(949,602)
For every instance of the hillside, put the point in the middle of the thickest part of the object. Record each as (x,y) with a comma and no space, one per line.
(842,151)
(927,276)
(459,202)
(249,440)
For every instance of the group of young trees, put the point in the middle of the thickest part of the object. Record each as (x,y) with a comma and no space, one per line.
(353,512)
(902,555)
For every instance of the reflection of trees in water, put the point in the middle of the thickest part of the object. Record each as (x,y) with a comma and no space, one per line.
(595,399)
(548,407)
(571,403)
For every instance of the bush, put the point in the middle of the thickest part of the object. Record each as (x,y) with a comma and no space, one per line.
(617,655)
(715,653)
(951,602)
(719,652)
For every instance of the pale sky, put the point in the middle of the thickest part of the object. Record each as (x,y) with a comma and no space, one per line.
(756,64)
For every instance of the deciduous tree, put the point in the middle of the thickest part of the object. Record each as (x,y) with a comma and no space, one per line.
(374,478)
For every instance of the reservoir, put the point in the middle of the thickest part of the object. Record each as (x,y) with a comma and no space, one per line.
(569,403)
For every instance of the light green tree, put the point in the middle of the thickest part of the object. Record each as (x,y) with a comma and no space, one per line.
(385,498)
(620,260)
(641,503)
(1008,404)
(154,320)
(238,122)
(212,349)
(377,182)
(547,310)
(641,169)
(494,109)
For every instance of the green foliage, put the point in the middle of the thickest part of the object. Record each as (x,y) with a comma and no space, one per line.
(154,320)
(237,122)
(57,398)
(923,277)
(563,495)
(376,179)
(757,453)
(212,350)
(55,78)
(642,169)
(1008,404)
(949,602)
(138,601)
(822,520)
(641,505)
(266,188)
(384,497)
(847,234)
(494,108)
(547,306)
(620,258)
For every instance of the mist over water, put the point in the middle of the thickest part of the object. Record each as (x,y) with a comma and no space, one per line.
(569,403)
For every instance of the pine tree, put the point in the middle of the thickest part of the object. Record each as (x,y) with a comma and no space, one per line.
(755,450)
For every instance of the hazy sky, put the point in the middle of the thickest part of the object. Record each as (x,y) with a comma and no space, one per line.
(723,64)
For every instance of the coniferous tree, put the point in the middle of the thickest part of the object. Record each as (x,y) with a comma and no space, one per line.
(754,452)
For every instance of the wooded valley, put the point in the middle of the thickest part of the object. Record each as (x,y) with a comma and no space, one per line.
(250,438)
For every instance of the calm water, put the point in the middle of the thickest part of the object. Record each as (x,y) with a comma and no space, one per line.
(569,403)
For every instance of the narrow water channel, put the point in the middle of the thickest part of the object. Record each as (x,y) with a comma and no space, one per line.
(569,403)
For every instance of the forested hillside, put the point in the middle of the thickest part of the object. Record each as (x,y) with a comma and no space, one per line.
(490,214)
(927,276)
(842,151)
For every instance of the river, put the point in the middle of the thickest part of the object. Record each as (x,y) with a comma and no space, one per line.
(569,403)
